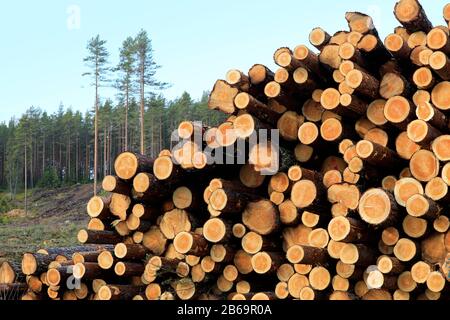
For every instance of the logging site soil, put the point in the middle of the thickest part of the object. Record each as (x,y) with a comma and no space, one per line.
(53,219)
(347,198)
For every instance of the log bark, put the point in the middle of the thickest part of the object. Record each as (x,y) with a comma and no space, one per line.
(128,164)
(412,16)
(119,292)
(319,38)
(115,185)
(98,237)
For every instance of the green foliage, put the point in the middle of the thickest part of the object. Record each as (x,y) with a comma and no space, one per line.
(50,179)
(60,146)
(5,204)
(146,66)
(97,59)
(4,219)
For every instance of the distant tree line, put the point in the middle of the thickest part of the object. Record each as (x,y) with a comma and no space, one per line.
(50,150)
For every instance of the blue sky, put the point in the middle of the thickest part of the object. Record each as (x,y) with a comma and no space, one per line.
(195,41)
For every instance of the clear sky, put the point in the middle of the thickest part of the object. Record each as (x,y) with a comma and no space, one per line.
(195,41)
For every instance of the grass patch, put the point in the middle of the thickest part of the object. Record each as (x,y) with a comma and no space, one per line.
(5,220)
(15,240)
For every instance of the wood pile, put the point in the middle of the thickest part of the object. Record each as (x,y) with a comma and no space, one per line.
(358,208)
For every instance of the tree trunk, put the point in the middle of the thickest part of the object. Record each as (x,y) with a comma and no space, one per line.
(126,118)
(26,181)
(142,110)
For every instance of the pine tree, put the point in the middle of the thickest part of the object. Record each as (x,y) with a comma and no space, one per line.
(97,61)
(145,71)
(125,83)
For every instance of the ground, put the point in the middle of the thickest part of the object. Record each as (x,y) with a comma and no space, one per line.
(53,219)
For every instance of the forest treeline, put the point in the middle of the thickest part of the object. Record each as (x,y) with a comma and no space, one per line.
(49,150)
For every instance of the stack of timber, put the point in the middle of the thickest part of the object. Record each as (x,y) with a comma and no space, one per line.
(358,208)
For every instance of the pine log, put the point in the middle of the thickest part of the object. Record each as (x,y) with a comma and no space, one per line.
(262,217)
(405,147)
(260,75)
(405,250)
(119,292)
(398,47)
(307,255)
(360,22)
(319,38)
(344,229)
(266,262)
(10,272)
(439,95)
(424,165)
(98,237)
(245,101)
(378,207)
(128,164)
(398,110)
(98,207)
(222,97)
(116,185)
(190,243)
(412,16)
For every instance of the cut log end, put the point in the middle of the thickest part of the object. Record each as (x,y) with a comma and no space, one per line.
(349,254)
(303,193)
(405,249)
(82,236)
(96,207)
(437,39)
(423,78)
(319,278)
(105,260)
(163,168)
(185,129)
(441,95)
(418,131)
(272,89)
(126,165)
(218,199)
(331,129)
(330,99)
(109,183)
(258,74)
(214,230)
(308,133)
(261,262)
(339,228)
(424,165)
(441,147)
(407,10)
(318,37)
(417,205)
(239,230)
(390,236)
(420,271)
(436,281)
(375,206)
(234,77)
(397,109)
(182,198)
(242,100)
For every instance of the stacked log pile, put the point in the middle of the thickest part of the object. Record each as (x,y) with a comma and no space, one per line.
(358,207)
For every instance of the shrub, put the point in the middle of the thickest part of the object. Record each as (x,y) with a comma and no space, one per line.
(50,179)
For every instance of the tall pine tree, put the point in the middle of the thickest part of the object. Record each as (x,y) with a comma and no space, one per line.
(97,60)
(145,71)
(125,83)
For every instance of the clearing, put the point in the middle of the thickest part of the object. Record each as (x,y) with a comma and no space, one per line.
(54,218)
